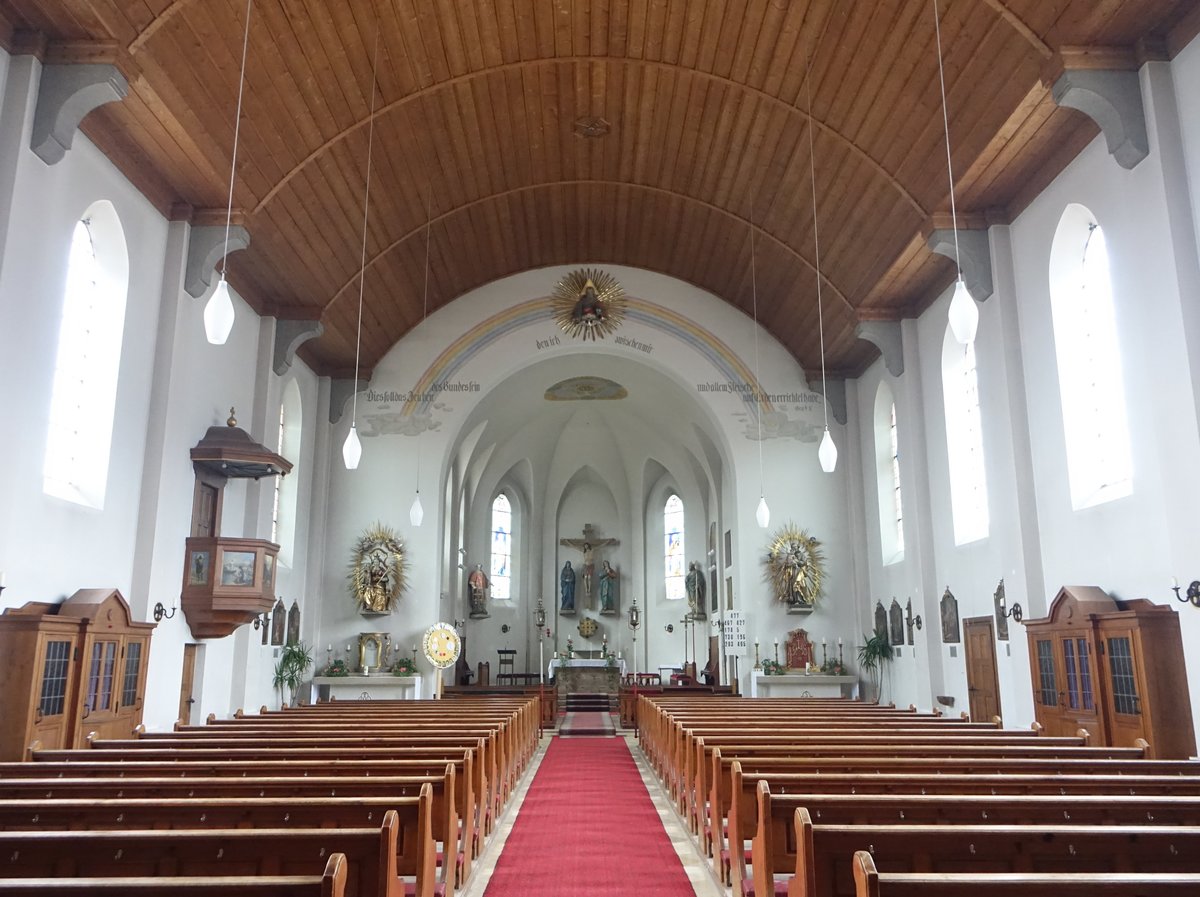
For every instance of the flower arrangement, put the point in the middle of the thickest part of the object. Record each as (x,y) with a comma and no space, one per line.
(834,667)
(405,666)
(336,668)
(773,668)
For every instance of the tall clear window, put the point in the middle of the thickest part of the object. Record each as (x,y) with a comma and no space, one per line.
(964,441)
(84,394)
(673,548)
(278,480)
(1099,459)
(283,508)
(502,546)
(895,466)
(887,471)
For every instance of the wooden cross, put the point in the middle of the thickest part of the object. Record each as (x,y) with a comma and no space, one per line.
(588,545)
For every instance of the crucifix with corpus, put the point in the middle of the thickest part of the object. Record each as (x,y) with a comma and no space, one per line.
(588,545)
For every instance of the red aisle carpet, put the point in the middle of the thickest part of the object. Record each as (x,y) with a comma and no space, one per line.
(587,827)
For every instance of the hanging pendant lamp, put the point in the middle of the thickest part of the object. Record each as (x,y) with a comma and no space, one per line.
(964,313)
(827,452)
(416,513)
(352,448)
(762,513)
(218,311)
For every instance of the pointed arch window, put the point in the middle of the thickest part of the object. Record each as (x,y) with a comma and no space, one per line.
(502,548)
(964,441)
(84,396)
(887,469)
(673,548)
(1095,425)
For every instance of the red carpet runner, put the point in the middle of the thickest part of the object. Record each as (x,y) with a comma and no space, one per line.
(587,827)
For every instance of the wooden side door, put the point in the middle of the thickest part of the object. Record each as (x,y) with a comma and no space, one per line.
(56,661)
(187,684)
(983,683)
(1124,679)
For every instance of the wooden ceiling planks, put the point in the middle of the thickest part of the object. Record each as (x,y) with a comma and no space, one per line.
(707,107)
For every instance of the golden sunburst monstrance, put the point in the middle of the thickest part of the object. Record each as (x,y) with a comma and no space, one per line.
(795,567)
(588,304)
(379,570)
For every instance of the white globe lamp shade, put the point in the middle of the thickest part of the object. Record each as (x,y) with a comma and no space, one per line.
(763,514)
(964,314)
(416,513)
(352,449)
(218,315)
(827,453)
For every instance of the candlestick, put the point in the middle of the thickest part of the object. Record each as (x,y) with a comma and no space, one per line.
(824,654)
(823,642)
(777,650)
(757,662)
(839,641)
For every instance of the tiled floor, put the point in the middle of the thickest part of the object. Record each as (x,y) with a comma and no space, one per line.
(696,865)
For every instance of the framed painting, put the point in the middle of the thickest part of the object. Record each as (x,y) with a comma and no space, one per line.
(237,568)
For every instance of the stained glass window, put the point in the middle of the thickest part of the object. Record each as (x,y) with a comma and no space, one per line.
(673,548)
(502,545)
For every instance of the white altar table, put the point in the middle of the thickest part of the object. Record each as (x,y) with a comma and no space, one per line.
(798,685)
(584,663)
(366,688)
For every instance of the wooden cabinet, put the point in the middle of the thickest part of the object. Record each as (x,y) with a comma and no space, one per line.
(1115,668)
(71,669)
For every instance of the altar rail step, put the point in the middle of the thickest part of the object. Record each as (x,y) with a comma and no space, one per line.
(581,702)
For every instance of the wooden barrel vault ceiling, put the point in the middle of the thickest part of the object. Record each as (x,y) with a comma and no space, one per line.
(548,132)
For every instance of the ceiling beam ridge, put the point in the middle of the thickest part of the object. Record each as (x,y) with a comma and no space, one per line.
(671,194)
(154,25)
(450,83)
(1018,24)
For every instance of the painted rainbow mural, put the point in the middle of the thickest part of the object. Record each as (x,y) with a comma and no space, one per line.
(727,365)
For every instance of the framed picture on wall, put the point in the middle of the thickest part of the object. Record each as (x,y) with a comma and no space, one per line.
(198,568)
(237,568)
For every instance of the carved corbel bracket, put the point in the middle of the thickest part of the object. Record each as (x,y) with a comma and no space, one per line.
(66,94)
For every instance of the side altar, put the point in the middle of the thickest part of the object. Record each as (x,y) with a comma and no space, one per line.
(589,675)
(366,688)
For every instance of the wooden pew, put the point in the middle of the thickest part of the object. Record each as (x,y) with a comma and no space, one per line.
(871,883)
(465,804)
(821,867)
(1125,773)
(416,852)
(444,819)
(251,752)
(370,854)
(331,883)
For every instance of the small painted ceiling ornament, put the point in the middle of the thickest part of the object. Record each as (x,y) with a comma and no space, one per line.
(588,304)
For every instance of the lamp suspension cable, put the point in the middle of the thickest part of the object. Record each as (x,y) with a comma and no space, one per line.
(762,513)
(964,315)
(218,312)
(352,448)
(417,513)
(827,452)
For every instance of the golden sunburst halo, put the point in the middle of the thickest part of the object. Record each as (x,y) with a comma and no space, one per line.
(588,304)
(795,566)
(378,570)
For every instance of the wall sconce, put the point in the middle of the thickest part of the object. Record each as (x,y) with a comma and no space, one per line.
(670,627)
(910,620)
(264,622)
(160,612)
(1191,595)
(1014,612)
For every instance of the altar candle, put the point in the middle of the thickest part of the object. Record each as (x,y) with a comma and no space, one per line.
(823,642)
(329,648)
(839,641)
(776,643)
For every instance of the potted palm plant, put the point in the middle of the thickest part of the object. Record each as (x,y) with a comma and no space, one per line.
(294,661)
(875,651)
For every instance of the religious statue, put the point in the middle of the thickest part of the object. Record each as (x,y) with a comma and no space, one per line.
(695,591)
(609,587)
(566,581)
(588,304)
(588,545)
(477,586)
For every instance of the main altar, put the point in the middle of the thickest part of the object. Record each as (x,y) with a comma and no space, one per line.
(598,675)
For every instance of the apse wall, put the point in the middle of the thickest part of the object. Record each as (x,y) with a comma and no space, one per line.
(442,378)
(1132,546)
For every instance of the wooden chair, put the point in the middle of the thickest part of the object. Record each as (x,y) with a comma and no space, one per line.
(507,665)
